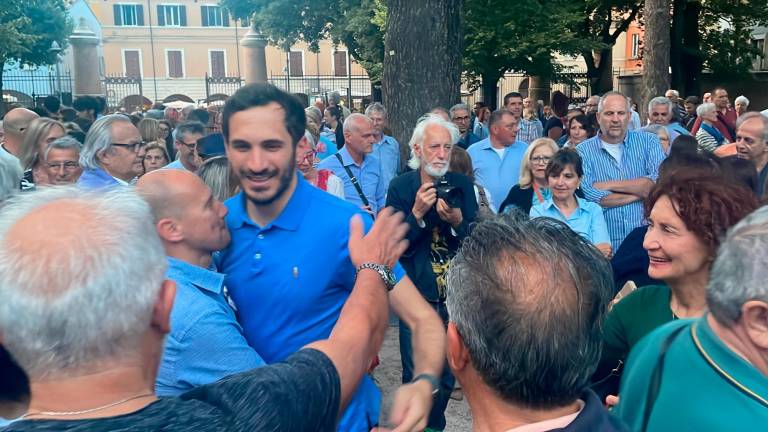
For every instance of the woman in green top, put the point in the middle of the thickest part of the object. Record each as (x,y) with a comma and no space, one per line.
(688,211)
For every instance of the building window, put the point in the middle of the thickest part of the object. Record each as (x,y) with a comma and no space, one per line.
(760,61)
(175,63)
(132,63)
(340,63)
(636,45)
(172,15)
(214,16)
(128,14)
(217,63)
(296,63)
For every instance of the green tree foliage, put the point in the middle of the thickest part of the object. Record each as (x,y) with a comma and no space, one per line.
(503,36)
(725,27)
(27,29)
(358,24)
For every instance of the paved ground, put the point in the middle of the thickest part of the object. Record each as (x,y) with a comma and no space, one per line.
(387,375)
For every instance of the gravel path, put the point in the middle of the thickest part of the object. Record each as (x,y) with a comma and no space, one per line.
(388,377)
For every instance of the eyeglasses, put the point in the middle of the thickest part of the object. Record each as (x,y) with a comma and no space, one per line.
(135,147)
(189,146)
(309,156)
(541,160)
(67,166)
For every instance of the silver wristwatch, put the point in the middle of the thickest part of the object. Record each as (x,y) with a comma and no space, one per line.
(385,272)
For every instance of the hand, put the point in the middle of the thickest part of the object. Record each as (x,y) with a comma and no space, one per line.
(383,244)
(605,249)
(611,401)
(451,215)
(425,199)
(411,406)
(367,209)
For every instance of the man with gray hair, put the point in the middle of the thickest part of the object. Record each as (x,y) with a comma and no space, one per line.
(334,99)
(113,153)
(440,206)
(526,300)
(460,116)
(357,166)
(92,334)
(15,123)
(661,111)
(752,144)
(185,145)
(387,149)
(709,373)
(62,161)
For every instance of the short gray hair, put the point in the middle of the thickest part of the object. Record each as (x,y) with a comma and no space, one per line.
(418,135)
(10,176)
(661,100)
(376,107)
(85,303)
(601,102)
(350,123)
(741,98)
(64,143)
(528,298)
(457,107)
(189,128)
(750,115)
(705,108)
(99,139)
(740,269)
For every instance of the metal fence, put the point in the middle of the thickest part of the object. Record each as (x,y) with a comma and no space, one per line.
(358,87)
(30,87)
(219,88)
(124,92)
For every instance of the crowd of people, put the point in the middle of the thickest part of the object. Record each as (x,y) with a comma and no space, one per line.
(561,267)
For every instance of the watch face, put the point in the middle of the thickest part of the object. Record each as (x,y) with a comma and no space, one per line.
(389,278)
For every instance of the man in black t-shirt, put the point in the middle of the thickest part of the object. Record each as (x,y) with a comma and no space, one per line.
(86,271)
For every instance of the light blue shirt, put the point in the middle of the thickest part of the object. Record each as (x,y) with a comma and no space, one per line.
(97,179)
(641,157)
(388,152)
(587,220)
(530,130)
(369,177)
(177,165)
(291,278)
(206,342)
(498,175)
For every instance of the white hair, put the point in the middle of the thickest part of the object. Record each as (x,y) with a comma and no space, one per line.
(742,99)
(65,309)
(350,123)
(705,108)
(65,142)
(740,269)
(376,107)
(98,139)
(661,100)
(601,103)
(418,135)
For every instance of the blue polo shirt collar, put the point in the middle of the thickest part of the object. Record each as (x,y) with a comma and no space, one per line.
(289,219)
(549,203)
(184,272)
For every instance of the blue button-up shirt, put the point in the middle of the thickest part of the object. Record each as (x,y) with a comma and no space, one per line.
(498,175)
(641,157)
(530,130)
(177,165)
(587,220)
(206,342)
(369,177)
(388,152)
(97,179)
(291,277)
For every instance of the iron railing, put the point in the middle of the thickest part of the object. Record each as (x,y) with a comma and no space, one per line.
(28,87)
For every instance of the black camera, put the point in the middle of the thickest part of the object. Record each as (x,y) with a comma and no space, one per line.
(452,195)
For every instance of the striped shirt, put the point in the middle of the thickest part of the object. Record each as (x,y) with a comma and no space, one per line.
(530,130)
(641,157)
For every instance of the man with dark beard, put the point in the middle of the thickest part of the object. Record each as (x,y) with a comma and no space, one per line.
(288,266)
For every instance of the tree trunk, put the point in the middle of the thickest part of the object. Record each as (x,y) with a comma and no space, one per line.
(491,89)
(422,62)
(655,52)
(676,46)
(693,62)
(539,89)
(601,80)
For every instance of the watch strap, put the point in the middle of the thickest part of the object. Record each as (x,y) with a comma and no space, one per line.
(431,379)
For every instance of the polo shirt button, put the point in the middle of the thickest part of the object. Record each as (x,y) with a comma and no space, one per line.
(257,256)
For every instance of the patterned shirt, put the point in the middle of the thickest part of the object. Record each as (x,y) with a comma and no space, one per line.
(641,157)
(530,130)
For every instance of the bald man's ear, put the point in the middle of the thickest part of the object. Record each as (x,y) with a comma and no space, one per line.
(169,230)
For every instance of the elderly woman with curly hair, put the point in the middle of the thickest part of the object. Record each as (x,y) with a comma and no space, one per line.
(688,213)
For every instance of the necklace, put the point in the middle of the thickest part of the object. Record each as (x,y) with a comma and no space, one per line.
(86,411)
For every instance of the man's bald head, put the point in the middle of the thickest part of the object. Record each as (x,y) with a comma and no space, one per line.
(14,123)
(168,191)
(356,121)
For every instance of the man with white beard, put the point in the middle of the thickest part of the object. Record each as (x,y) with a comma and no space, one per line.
(440,206)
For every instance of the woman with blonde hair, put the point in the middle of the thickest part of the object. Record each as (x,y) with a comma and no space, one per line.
(41,132)
(532,186)
(149,129)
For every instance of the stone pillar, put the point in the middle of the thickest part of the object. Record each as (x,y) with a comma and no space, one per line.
(85,52)
(539,89)
(255,56)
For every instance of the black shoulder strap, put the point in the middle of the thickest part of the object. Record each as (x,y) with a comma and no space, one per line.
(353,179)
(655,381)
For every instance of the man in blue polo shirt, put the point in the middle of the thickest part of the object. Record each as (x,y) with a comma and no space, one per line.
(288,266)
(206,342)
(496,159)
(357,166)
(387,149)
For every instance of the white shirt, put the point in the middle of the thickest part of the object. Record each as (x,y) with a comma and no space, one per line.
(614,150)
(335,186)
(499,151)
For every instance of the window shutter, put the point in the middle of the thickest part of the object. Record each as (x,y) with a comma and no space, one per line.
(340,63)
(217,64)
(225,17)
(118,15)
(297,69)
(139,15)
(204,14)
(183,15)
(160,15)
(175,68)
(132,67)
